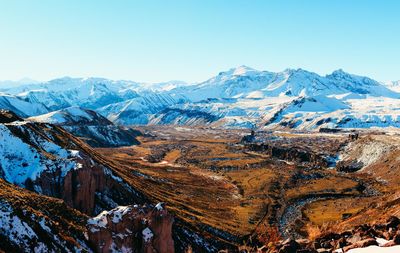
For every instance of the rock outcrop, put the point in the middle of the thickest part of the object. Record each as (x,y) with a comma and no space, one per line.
(289,153)
(132,229)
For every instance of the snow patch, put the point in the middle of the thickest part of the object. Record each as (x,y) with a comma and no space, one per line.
(147,234)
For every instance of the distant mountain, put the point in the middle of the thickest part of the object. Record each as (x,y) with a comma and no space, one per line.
(20,106)
(244,82)
(91,127)
(5,84)
(86,92)
(239,97)
(393,85)
(164,86)
(244,97)
(137,111)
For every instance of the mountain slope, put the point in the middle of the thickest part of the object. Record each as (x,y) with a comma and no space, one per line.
(45,159)
(139,110)
(21,107)
(34,223)
(91,127)
(85,92)
(48,160)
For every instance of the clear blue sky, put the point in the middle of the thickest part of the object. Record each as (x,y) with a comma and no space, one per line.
(193,40)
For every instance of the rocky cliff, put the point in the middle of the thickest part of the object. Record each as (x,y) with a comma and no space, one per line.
(132,228)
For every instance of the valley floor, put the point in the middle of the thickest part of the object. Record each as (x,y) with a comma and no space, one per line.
(280,186)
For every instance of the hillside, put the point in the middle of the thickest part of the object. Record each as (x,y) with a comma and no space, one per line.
(90,126)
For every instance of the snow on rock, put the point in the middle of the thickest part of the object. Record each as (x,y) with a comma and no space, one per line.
(43,157)
(137,111)
(120,230)
(21,161)
(160,206)
(68,115)
(147,234)
(100,220)
(27,231)
(14,228)
(367,153)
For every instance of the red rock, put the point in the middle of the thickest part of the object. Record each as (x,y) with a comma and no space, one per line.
(142,229)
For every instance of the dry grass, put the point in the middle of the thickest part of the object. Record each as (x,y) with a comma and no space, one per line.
(327,211)
(207,179)
(330,184)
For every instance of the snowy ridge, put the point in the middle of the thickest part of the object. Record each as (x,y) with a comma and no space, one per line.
(21,107)
(238,97)
(22,161)
(95,129)
(139,110)
(70,115)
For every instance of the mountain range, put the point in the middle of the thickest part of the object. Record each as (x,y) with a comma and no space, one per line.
(241,97)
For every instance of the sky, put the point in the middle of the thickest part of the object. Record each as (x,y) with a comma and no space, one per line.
(192,40)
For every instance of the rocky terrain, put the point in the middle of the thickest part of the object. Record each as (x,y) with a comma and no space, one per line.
(217,190)
(247,161)
(69,182)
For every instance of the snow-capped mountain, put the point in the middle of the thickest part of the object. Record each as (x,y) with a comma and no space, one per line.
(239,97)
(21,107)
(91,127)
(244,97)
(244,82)
(393,85)
(86,92)
(6,84)
(137,111)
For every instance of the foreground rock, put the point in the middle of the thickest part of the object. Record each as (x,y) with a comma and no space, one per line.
(132,229)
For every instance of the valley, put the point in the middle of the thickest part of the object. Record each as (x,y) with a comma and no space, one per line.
(237,192)
(246,161)
(199,126)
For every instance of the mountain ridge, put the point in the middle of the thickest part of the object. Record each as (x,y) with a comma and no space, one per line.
(238,97)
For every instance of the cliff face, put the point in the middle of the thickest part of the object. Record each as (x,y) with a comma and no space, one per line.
(132,229)
(89,187)
(46,159)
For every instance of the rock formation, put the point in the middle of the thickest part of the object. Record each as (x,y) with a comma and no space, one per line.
(132,229)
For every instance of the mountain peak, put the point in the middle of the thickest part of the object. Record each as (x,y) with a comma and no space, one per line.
(290,71)
(339,73)
(239,71)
